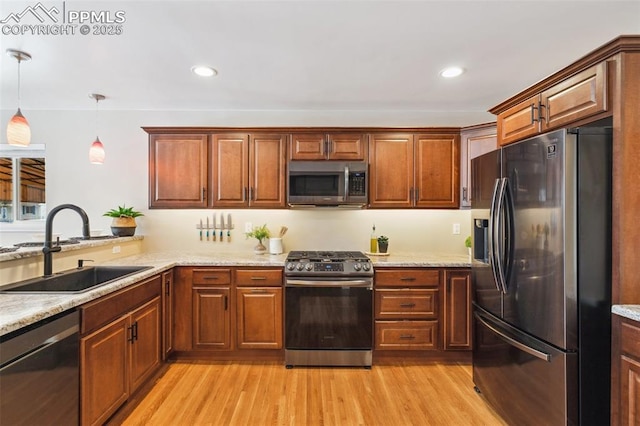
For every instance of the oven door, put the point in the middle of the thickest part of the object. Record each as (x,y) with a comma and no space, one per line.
(329,314)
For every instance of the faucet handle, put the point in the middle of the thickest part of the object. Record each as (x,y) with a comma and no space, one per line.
(81,262)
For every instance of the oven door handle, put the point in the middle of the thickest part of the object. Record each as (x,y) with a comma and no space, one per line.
(331,283)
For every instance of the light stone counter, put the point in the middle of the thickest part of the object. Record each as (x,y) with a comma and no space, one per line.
(422,260)
(19,310)
(26,252)
(631,312)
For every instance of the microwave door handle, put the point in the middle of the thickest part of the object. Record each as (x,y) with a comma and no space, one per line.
(346,183)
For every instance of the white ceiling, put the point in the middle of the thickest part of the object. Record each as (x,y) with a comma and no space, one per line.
(350,56)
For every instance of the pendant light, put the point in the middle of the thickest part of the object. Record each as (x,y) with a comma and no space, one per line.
(96,152)
(18,131)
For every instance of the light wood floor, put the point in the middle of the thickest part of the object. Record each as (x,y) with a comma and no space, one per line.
(228,393)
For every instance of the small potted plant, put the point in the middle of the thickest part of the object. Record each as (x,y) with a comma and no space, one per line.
(124,221)
(383,244)
(467,244)
(259,233)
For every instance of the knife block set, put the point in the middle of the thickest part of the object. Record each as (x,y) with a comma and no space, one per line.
(218,230)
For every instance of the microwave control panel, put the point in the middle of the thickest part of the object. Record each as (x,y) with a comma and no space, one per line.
(357,184)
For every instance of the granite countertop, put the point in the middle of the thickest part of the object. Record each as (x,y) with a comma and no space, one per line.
(20,310)
(25,252)
(631,312)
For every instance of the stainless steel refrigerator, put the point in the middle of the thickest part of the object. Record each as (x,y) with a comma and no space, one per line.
(541,270)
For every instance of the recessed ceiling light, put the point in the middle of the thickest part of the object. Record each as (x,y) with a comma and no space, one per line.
(450,72)
(204,71)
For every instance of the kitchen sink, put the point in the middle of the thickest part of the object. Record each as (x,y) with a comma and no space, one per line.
(74,281)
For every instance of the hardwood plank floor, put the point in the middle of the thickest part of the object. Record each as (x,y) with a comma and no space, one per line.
(228,393)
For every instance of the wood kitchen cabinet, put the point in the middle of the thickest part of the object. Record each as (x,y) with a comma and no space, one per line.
(414,170)
(211,309)
(267,170)
(457,310)
(178,170)
(328,146)
(120,348)
(577,97)
(474,141)
(219,169)
(167,313)
(625,371)
(407,309)
(249,170)
(259,309)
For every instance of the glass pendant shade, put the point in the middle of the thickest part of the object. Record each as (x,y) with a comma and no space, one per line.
(96,152)
(18,131)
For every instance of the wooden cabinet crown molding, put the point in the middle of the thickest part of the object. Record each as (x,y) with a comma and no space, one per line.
(624,43)
(191,130)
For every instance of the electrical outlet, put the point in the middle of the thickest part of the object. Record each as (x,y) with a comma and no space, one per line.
(248,227)
(456,229)
(116,249)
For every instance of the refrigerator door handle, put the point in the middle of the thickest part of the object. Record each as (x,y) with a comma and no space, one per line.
(513,342)
(497,236)
(492,237)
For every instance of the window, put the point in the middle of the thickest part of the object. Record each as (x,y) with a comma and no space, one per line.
(22,183)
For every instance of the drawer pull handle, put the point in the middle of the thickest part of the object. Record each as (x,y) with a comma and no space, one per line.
(258,291)
(407,336)
(211,277)
(258,278)
(408,279)
(407,305)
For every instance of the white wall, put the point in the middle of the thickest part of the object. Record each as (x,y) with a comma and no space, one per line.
(123,179)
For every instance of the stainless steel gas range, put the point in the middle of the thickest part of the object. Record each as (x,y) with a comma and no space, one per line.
(328,309)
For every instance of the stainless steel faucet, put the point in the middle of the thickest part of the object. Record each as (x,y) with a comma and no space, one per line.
(48,248)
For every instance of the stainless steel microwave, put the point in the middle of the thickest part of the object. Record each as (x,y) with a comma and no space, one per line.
(327,184)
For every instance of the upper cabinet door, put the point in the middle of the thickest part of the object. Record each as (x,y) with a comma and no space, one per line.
(347,146)
(178,171)
(473,143)
(328,146)
(579,96)
(230,159)
(308,146)
(437,171)
(391,170)
(519,121)
(267,177)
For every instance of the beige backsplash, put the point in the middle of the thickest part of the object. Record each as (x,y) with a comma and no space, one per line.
(409,231)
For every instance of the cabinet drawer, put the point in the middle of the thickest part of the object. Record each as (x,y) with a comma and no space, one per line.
(407,278)
(211,277)
(406,303)
(407,335)
(104,310)
(259,277)
(630,338)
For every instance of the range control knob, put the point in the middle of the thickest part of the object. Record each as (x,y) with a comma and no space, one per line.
(308,267)
(291,266)
(366,266)
(357,266)
(300,266)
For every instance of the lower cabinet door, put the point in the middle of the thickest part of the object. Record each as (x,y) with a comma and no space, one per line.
(629,391)
(146,348)
(104,377)
(211,318)
(259,318)
(407,335)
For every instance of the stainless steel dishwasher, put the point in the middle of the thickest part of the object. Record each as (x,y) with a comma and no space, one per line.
(39,373)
